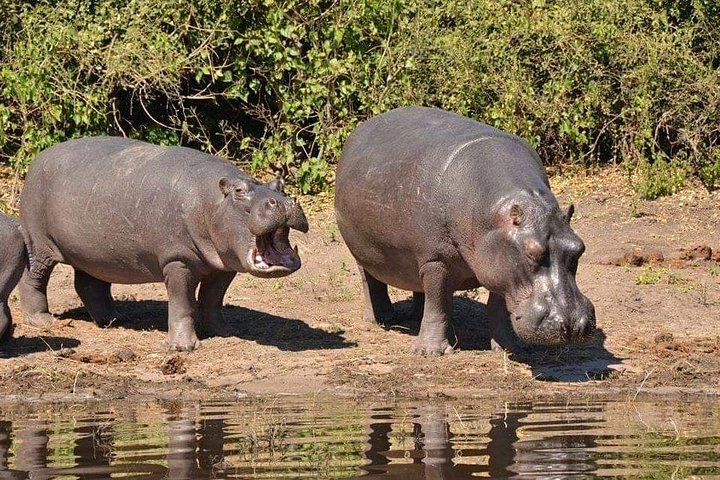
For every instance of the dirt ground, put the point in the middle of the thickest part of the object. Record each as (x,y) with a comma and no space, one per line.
(659,324)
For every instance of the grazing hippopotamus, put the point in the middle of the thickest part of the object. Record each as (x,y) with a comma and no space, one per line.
(12,263)
(432,202)
(124,211)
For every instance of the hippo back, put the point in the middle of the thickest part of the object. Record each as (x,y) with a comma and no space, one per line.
(407,174)
(144,202)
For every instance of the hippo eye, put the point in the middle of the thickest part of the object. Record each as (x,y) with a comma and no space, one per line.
(536,252)
(538,259)
(243,190)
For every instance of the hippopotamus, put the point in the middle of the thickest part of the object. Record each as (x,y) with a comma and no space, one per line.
(124,211)
(433,202)
(12,263)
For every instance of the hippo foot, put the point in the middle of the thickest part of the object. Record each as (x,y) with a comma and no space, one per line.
(385,319)
(216,327)
(180,344)
(432,348)
(39,320)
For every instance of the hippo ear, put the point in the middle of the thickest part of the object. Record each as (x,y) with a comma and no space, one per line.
(516,214)
(278,184)
(225,186)
(239,188)
(569,213)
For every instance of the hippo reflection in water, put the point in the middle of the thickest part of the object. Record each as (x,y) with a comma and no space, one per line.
(208,448)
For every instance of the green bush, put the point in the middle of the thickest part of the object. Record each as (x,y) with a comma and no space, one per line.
(660,178)
(278,85)
(586,82)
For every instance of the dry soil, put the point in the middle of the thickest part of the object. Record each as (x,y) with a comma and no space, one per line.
(659,324)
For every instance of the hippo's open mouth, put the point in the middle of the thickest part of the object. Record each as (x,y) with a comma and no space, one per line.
(272,253)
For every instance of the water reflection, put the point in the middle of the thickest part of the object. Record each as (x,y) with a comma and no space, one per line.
(431,455)
(336,439)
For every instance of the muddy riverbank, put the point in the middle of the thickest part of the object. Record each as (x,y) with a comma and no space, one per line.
(659,323)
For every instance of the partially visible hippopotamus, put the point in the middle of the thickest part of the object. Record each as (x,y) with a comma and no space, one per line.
(432,202)
(12,263)
(124,211)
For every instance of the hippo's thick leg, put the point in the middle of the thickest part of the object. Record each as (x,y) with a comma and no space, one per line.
(502,335)
(432,339)
(182,307)
(9,276)
(378,308)
(6,327)
(95,295)
(418,305)
(210,298)
(33,293)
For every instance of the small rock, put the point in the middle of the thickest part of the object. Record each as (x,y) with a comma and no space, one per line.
(715,257)
(664,337)
(173,365)
(122,356)
(65,352)
(634,259)
(654,256)
(699,252)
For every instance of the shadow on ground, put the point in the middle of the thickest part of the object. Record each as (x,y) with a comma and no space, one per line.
(16,347)
(567,363)
(287,334)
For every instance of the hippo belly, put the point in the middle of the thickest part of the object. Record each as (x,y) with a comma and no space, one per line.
(394,263)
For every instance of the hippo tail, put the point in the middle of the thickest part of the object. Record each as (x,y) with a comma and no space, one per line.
(28,256)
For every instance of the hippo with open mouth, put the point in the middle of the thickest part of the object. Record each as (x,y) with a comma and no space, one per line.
(124,211)
(433,202)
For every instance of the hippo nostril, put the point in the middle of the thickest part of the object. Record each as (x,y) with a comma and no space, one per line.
(564,331)
(583,328)
(272,202)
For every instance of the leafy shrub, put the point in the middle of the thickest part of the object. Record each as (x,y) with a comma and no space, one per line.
(278,85)
(584,82)
(660,178)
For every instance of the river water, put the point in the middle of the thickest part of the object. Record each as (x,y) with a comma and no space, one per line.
(337,438)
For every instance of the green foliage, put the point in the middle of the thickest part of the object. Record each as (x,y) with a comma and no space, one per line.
(278,85)
(649,276)
(584,82)
(660,178)
(275,85)
(710,170)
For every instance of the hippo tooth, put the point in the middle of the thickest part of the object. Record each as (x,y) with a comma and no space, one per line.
(258,258)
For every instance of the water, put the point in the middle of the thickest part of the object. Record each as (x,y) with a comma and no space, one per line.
(330,438)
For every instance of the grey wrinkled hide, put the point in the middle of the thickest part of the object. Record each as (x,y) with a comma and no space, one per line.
(12,262)
(432,202)
(124,211)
